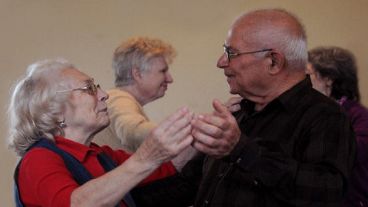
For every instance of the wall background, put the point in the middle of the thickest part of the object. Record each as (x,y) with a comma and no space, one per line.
(87,31)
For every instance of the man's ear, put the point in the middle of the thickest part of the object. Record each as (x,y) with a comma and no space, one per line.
(277,62)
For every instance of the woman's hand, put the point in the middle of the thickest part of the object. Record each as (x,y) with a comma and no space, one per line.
(168,139)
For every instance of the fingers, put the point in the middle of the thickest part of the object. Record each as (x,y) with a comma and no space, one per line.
(220,109)
(234,108)
(216,152)
(215,134)
(176,127)
(233,100)
(233,103)
(178,115)
(171,136)
(209,124)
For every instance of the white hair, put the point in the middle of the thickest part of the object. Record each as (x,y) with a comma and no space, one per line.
(137,53)
(34,107)
(277,29)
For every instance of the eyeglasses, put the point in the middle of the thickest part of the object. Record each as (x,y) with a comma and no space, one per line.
(90,88)
(230,54)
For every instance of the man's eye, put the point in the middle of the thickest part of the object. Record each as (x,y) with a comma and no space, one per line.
(90,89)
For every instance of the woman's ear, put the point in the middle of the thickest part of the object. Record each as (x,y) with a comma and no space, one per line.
(136,74)
(329,82)
(309,69)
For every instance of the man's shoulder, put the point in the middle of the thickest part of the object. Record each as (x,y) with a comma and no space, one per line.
(316,100)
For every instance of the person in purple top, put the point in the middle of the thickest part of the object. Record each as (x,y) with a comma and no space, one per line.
(333,72)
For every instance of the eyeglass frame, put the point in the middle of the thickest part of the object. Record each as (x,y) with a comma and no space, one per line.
(91,88)
(230,55)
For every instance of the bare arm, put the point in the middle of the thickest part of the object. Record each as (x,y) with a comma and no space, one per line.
(164,142)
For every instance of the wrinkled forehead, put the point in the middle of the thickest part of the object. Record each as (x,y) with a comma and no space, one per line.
(240,35)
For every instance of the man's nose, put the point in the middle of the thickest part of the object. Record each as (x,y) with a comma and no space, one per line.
(223,61)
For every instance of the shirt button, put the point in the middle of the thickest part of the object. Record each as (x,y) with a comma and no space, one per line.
(238,160)
(255,183)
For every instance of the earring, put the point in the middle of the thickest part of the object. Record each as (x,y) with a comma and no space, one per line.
(62,124)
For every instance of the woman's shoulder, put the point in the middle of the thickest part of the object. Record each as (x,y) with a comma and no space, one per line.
(39,157)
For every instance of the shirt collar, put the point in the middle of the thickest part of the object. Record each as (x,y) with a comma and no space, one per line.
(290,98)
(287,100)
(78,150)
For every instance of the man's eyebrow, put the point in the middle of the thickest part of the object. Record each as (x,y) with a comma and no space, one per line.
(88,81)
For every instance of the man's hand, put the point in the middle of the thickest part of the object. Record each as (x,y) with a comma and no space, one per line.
(233,103)
(215,134)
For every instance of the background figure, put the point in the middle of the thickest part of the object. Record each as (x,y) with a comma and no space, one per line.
(141,76)
(57,105)
(333,72)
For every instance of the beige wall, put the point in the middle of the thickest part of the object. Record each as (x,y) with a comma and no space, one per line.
(87,31)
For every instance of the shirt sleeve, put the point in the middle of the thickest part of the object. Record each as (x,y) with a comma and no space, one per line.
(42,174)
(128,121)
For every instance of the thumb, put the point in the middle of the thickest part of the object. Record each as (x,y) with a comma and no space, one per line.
(220,109)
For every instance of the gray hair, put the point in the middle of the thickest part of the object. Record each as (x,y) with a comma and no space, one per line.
(137,53)
(339,65)
(34,108)
(281,30)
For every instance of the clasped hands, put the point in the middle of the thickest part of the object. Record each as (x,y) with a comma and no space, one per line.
(214,134)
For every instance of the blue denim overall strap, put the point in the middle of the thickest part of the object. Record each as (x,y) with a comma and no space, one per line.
(18,200)
(109,164)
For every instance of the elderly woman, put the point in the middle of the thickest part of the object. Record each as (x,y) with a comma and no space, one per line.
(57,105)
(333,72)
(141,76)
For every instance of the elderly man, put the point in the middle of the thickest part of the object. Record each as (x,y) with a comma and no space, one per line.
(296,147)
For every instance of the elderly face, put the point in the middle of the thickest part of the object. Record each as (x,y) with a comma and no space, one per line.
(154,82)
(86,110)
(319,83)
(246,74)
